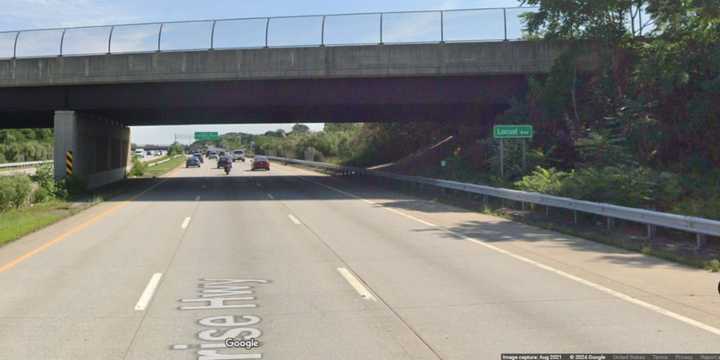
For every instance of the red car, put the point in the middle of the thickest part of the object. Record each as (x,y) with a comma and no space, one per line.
(260,162)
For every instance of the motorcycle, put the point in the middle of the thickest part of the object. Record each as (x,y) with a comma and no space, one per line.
(227,169)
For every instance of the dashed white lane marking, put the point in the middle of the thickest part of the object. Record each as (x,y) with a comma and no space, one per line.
(294,219)
(617,294)
(185,223)
(147,294)
(270,196)
(356,284)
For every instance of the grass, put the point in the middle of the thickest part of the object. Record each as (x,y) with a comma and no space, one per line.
(164,168)
(15,224)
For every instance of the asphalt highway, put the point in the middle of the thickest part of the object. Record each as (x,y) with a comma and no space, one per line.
(296,265)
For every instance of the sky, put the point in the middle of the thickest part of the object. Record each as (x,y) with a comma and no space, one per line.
(33,14)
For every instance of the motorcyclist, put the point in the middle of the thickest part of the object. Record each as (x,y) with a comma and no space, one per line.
(227,165)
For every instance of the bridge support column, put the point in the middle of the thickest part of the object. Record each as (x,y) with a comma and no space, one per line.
(100,147)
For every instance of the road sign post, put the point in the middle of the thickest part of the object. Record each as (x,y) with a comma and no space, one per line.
(502,132)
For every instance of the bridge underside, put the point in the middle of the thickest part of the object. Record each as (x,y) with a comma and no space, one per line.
(455,98)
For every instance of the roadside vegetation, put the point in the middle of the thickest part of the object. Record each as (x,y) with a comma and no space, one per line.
(31,202)
(20,145)
(639,132)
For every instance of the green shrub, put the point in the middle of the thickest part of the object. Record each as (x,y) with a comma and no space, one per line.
(138,168)
(47,189)
(546,181)
(15,191)
(69,187)
(706,207)
(713,265)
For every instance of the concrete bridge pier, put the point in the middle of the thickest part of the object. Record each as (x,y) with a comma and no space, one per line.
(100,147)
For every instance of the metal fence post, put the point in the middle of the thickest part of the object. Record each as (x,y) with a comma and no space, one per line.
(505,22)
(381,28)
(17,35)
(62,40)
(322,32)
(610,223)
(112,28)
(442,27)
(267,32)
(212,35)
(160,36)
(575,217)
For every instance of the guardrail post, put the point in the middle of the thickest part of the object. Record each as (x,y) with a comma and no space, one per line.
(485,201)
(575,217)
(651,231)
(522,205)
(547,210)
(610,223)
(701,241)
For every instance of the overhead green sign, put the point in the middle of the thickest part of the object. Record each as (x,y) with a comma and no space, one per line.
(513,131)
(206,136)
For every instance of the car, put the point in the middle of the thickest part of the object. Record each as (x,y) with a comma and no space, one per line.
(238,155)
(260,162)
(222,161)
(192,161)
(140,153)
(212,155)
(199,157)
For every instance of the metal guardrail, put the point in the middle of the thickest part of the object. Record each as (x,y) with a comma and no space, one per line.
(24,164)
(373,28)
(691,224)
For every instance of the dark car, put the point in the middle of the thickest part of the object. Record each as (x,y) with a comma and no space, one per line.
(199,157)
(222,161)
(192,162)
(260,162)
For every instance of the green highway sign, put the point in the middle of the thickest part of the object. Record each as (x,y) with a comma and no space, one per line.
(513,131)
(206,136)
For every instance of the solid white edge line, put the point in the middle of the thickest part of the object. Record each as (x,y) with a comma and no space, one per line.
(356,284)
(185,223)
(147,294)
(294,219)
(617,294)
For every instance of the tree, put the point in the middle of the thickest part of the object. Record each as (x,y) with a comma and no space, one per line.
(176,149)
(300,129)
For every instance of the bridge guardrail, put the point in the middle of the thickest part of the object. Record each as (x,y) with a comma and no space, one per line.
(699,226)
(24,164)
(372,28)
(369,28)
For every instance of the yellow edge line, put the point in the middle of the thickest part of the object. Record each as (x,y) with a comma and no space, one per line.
(77,228)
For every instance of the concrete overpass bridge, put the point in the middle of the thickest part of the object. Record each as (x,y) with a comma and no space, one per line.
(91,89)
